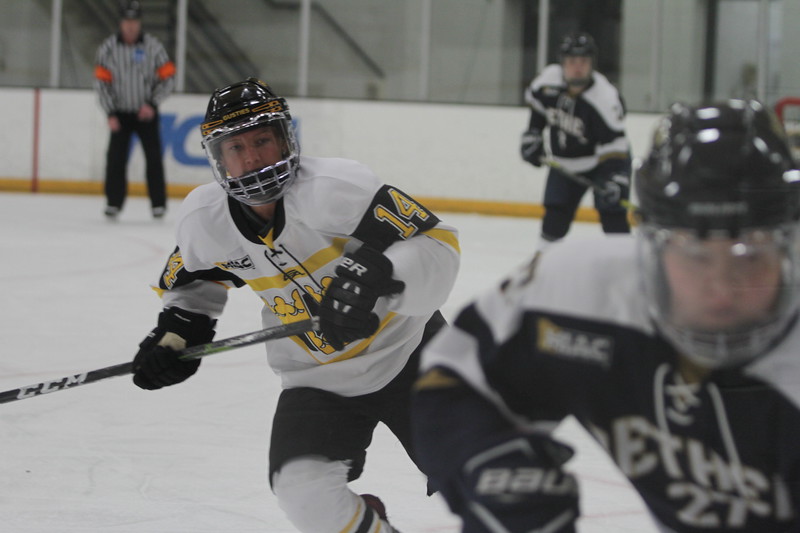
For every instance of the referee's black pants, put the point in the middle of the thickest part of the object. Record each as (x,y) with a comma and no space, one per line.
(116,181)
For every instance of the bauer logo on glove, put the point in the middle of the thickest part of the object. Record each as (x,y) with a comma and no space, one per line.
(350,265)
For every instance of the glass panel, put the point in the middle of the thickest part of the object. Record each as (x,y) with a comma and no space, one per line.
(637,59)
(365,49)
(476,53)
(25,44)
(785,68)
(652,81)
(229,41)
(738,45)
(483,52)
(84,26)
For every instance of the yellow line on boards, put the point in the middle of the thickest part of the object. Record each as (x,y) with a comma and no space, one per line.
(450,205)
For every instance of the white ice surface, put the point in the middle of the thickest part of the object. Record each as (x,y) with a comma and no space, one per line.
(108,457)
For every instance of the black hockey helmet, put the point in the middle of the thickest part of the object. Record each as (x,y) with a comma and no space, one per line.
(718,167)
(130,9)
(577,44)
(720,178)
(235,109)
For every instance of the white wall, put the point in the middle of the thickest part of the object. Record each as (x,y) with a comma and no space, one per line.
(428,150)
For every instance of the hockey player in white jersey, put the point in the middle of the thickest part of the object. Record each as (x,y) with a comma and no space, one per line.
(678,349)
(577,122)
(312,237)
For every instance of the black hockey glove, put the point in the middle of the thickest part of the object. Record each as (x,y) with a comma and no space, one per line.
(518,481)
(613,189)
(345,312)
(532,147)
(156,363)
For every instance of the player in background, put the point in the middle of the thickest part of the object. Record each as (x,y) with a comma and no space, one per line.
(312,237)
(577,122)
(681,356)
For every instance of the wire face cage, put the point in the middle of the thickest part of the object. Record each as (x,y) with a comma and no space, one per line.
(788,111)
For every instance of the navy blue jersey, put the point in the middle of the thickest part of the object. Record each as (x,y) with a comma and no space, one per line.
(570,335)
(579,132)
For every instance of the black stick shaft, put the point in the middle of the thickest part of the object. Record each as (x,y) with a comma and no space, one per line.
(193,352)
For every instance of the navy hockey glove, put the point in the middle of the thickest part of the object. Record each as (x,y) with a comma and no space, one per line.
(156,363)
(518,482)
(345,312)
(532,147)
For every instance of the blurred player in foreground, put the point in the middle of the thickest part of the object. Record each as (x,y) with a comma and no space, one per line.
(577,124)
(312,237)
(681,355)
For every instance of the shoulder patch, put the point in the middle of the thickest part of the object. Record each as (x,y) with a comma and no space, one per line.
(573,344)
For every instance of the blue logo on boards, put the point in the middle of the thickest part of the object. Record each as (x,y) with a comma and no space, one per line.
(175,133)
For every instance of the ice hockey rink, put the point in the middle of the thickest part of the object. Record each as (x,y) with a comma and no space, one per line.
(108,457)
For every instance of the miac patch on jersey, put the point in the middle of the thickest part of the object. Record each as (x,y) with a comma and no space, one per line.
(243,263)
(393,216)
(572,343)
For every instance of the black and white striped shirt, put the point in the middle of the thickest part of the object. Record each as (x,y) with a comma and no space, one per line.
(129,75)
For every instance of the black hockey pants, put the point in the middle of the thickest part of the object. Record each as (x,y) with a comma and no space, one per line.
(562,196)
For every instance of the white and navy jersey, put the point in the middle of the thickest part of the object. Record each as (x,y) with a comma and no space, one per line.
(564,337)
(332,207)
(579,132)
(130,75)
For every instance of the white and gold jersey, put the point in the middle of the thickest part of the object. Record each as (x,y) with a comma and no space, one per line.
(333,207)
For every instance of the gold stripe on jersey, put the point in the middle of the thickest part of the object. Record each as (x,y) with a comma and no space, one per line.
(362,345)
(327,349)
(312,264)
(445,236)
(267,239)
(324,257)
(358,517)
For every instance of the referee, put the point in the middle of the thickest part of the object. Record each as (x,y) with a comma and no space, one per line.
(133,75)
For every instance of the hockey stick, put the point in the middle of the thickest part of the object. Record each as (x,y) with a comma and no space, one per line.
(586,182)
(192,352)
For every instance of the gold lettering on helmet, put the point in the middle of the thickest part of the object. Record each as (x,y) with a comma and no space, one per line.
(237,113)
(206,127)
(273,106)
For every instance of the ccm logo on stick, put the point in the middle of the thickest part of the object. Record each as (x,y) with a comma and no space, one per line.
(51,386)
